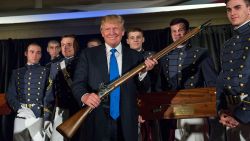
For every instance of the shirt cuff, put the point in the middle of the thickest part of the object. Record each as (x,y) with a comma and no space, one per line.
(142,75)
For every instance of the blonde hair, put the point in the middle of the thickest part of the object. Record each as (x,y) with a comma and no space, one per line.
(112,19)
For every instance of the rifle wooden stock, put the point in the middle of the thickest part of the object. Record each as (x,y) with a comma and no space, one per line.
(104,91)
(70,126)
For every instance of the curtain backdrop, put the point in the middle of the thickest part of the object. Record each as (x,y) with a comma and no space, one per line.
(12,55)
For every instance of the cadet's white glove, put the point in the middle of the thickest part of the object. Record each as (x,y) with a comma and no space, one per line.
(48,128)
(26,113)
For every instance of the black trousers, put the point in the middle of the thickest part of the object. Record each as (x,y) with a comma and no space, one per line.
(114,130)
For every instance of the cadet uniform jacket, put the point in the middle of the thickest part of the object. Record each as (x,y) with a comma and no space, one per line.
(186,67)
(233,85)
(61,87)
(27,86)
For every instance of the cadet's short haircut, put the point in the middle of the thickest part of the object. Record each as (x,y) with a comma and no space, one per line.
(95,40)
(135,29)
(180,20)
(33,44)
(246,1)
(75,44)
(53,42)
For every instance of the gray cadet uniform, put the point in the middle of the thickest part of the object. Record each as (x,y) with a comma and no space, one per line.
(183,68)
(25,94)
(233,86)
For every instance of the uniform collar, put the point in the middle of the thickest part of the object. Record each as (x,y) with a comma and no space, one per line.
(242,28)
(31,66)
(68,59)
(56,59)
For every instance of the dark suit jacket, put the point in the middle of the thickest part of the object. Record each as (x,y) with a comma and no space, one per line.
(91,71)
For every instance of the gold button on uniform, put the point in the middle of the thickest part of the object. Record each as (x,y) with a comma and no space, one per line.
(242,84)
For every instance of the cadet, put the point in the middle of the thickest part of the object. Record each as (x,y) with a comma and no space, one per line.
(61,73)
(185,67)
(53,49)
(233,86)
(25,95)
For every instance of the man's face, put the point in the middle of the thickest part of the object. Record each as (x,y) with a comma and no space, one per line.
(112,33)
(53,50)
(238,12)
(67,46)
(178,31)
(92,44)
(135,40)
(33,54)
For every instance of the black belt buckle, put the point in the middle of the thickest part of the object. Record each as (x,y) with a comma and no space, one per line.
(233,99)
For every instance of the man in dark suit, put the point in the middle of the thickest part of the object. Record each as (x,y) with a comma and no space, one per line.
(94,68)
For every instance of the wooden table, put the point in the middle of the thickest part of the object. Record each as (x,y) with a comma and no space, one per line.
(187,103)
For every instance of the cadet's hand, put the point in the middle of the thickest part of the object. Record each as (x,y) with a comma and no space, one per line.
(25,113)
(91,99)
(140,120)
(228,120)
(150,63)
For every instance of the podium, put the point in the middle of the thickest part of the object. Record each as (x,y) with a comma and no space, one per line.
(4,107)
(186,103)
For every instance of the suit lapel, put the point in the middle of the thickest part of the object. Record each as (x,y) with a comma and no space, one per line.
(125,60)
(103,67)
